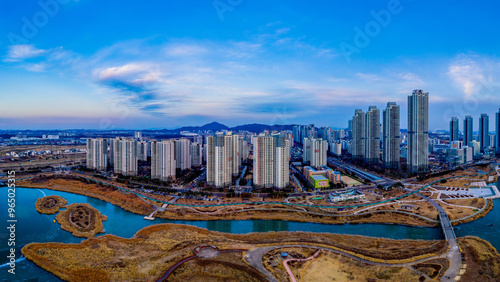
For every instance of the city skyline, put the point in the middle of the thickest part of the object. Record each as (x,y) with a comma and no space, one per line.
(243,65)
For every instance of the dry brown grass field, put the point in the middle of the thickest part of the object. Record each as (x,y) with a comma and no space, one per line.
(225,267)
(471,202)
(482,259)
(488,208)
(472,172)
(333,267)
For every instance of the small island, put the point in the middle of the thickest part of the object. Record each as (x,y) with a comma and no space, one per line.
(50,204)
(82,220)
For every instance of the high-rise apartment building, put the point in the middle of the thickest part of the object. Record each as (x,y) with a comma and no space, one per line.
(468,130)
(182,153)
(271,161)
(244,148)
(418,131)
(358,135)
(484,132)
(143,150)
(391,136)
(454,129)
(163,163)
(236,153)
(315,151)
(219,155)
(97,153)
(372,136)
(196,154)
(336,148)
(124,155)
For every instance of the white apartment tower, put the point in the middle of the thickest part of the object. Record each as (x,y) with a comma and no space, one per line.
(124,156)
(219,154)
(315,151)
(271,161)
(97,154)
(163,162)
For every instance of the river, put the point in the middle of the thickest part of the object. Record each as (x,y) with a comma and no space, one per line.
(34,227)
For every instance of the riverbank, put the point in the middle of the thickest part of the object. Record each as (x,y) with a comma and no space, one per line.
(482,213)
(127,201)
(156,248)
(134,204)
(481,258)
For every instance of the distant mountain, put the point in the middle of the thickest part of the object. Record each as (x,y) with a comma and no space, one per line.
(254,127)
(214,126)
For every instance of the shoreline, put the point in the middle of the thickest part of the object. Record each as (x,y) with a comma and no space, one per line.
(139,205)
(381,217)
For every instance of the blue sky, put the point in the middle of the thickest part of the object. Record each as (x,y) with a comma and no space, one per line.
(163,64)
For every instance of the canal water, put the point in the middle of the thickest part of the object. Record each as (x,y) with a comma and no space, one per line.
(34,227)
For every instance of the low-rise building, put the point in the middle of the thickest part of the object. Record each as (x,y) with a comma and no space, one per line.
(346,195)
(332,175)
(319,181)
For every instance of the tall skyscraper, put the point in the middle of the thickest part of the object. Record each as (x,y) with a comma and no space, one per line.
(391,136)
(454,129)
(271,161)
(163,162)
(468,130)
(358,135)
(236,154)
(182,153)
(497,127)
(97,154)
(124,155)
(484,132)
(418,131)
(220,153)
(372,128)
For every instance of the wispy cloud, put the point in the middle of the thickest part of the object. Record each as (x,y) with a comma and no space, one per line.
(17,53)
(477,76)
